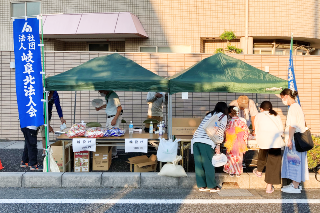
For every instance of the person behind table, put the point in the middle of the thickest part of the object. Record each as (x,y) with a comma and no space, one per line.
(113,111)
(204,149)
(269,129)
(295,123)
(237,134)
(113,108)
(155,110)
(53,99)
(247,108)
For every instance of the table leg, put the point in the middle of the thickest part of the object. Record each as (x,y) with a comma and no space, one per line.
(182,153)
(63,157)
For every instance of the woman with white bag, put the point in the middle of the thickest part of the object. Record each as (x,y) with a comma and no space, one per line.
(269,129)
(295,170)
(204,149)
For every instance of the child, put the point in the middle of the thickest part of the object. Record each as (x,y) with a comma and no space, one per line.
(236,142)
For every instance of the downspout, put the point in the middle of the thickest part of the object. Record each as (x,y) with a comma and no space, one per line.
(247,26)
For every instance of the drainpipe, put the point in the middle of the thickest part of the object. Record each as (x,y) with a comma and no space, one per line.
(247,23)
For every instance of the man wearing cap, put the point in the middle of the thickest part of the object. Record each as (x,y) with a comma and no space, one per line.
(247,108)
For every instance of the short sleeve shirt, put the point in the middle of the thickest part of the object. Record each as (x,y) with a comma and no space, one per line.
(113,102)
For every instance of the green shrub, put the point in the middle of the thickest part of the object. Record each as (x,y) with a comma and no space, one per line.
(219,50)
(227,35)
(234,49)
(314,154)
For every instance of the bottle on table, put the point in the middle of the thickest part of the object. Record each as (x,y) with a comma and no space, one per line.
(160,129)
(130,127)
(151,127)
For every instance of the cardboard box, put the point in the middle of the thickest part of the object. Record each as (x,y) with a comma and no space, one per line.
(185,126)
(101,159)
(81,161)
(143,163)
(57,154)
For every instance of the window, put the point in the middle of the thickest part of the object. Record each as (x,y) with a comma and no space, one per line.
(166,49)
(21,9)
(148,49)
(99,47)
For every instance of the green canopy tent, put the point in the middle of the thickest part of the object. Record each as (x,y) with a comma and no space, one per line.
(222,73)
(110,72)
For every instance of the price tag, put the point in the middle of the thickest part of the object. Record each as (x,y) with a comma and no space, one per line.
(136,145)
(84,144)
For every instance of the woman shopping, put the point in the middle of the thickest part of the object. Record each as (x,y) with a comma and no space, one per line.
(269,129)
(237,134)
(294,163)
(204,149)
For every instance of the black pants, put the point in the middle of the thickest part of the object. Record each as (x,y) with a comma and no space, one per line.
(30,152)
(271,160)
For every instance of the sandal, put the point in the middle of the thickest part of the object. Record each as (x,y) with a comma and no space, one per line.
(204,189)
(215,189)
(255,171)
(269,192)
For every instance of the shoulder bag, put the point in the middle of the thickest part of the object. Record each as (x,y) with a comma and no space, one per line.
(211,127)
(303,141)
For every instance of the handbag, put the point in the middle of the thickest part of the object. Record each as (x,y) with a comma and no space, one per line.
(211,127)
(303,141)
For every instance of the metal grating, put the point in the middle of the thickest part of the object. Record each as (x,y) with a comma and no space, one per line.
(235,193)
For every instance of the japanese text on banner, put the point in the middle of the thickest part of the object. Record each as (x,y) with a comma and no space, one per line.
(29,88)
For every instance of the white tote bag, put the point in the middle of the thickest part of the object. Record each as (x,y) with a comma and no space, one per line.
(167,150)
(211,127)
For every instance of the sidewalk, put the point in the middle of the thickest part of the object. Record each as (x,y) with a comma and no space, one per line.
(14,176)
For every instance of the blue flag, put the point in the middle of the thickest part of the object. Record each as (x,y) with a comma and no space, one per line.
(29,87)
(292,84)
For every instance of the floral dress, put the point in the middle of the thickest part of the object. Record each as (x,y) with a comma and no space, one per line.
(237,133)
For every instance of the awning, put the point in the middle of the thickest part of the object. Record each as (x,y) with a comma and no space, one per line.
(92,25)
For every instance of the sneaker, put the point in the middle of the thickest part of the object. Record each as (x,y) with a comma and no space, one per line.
(232,175)
(300,187)
(36,167)
(291,189)
(23,164)
(203,189)
(215,189)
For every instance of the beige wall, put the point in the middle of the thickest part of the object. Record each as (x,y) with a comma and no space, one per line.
(134,104)
(184,22)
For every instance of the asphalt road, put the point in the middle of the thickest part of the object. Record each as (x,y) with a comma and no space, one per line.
(153,200)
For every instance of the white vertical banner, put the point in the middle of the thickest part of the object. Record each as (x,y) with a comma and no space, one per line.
(136,145)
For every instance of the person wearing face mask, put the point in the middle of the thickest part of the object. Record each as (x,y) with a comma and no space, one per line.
(113,108)
(295,123)
(269,129)
(247,108)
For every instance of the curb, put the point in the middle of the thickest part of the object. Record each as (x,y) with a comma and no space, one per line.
(127,180)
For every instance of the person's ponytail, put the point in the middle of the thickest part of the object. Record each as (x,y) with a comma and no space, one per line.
(272,112)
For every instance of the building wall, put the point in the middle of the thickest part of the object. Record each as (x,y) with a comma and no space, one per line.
(135,107)
(184,22)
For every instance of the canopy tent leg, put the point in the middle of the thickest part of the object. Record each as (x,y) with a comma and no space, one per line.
(170,116)
(47,132)
(74,108)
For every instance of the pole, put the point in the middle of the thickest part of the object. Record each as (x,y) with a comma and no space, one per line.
(45,97)
(75,104)
(170,116)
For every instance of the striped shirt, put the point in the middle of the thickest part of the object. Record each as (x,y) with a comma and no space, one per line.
(201,136)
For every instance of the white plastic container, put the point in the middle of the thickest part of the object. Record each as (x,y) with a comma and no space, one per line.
(160,129)
(151,127)
(130,127)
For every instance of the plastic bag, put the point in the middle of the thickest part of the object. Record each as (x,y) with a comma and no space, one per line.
(167,150)
(212,126)
(219,160)
(77,130)
(94,132)
(173,170)
(114,132)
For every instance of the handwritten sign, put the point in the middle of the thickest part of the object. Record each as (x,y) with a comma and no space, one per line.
(84,144)
(136,145)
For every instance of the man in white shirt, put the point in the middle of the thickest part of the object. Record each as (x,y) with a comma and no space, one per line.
(247,108)
(113,108)
(155,109)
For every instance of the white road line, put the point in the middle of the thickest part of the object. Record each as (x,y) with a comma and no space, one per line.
(161,201)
